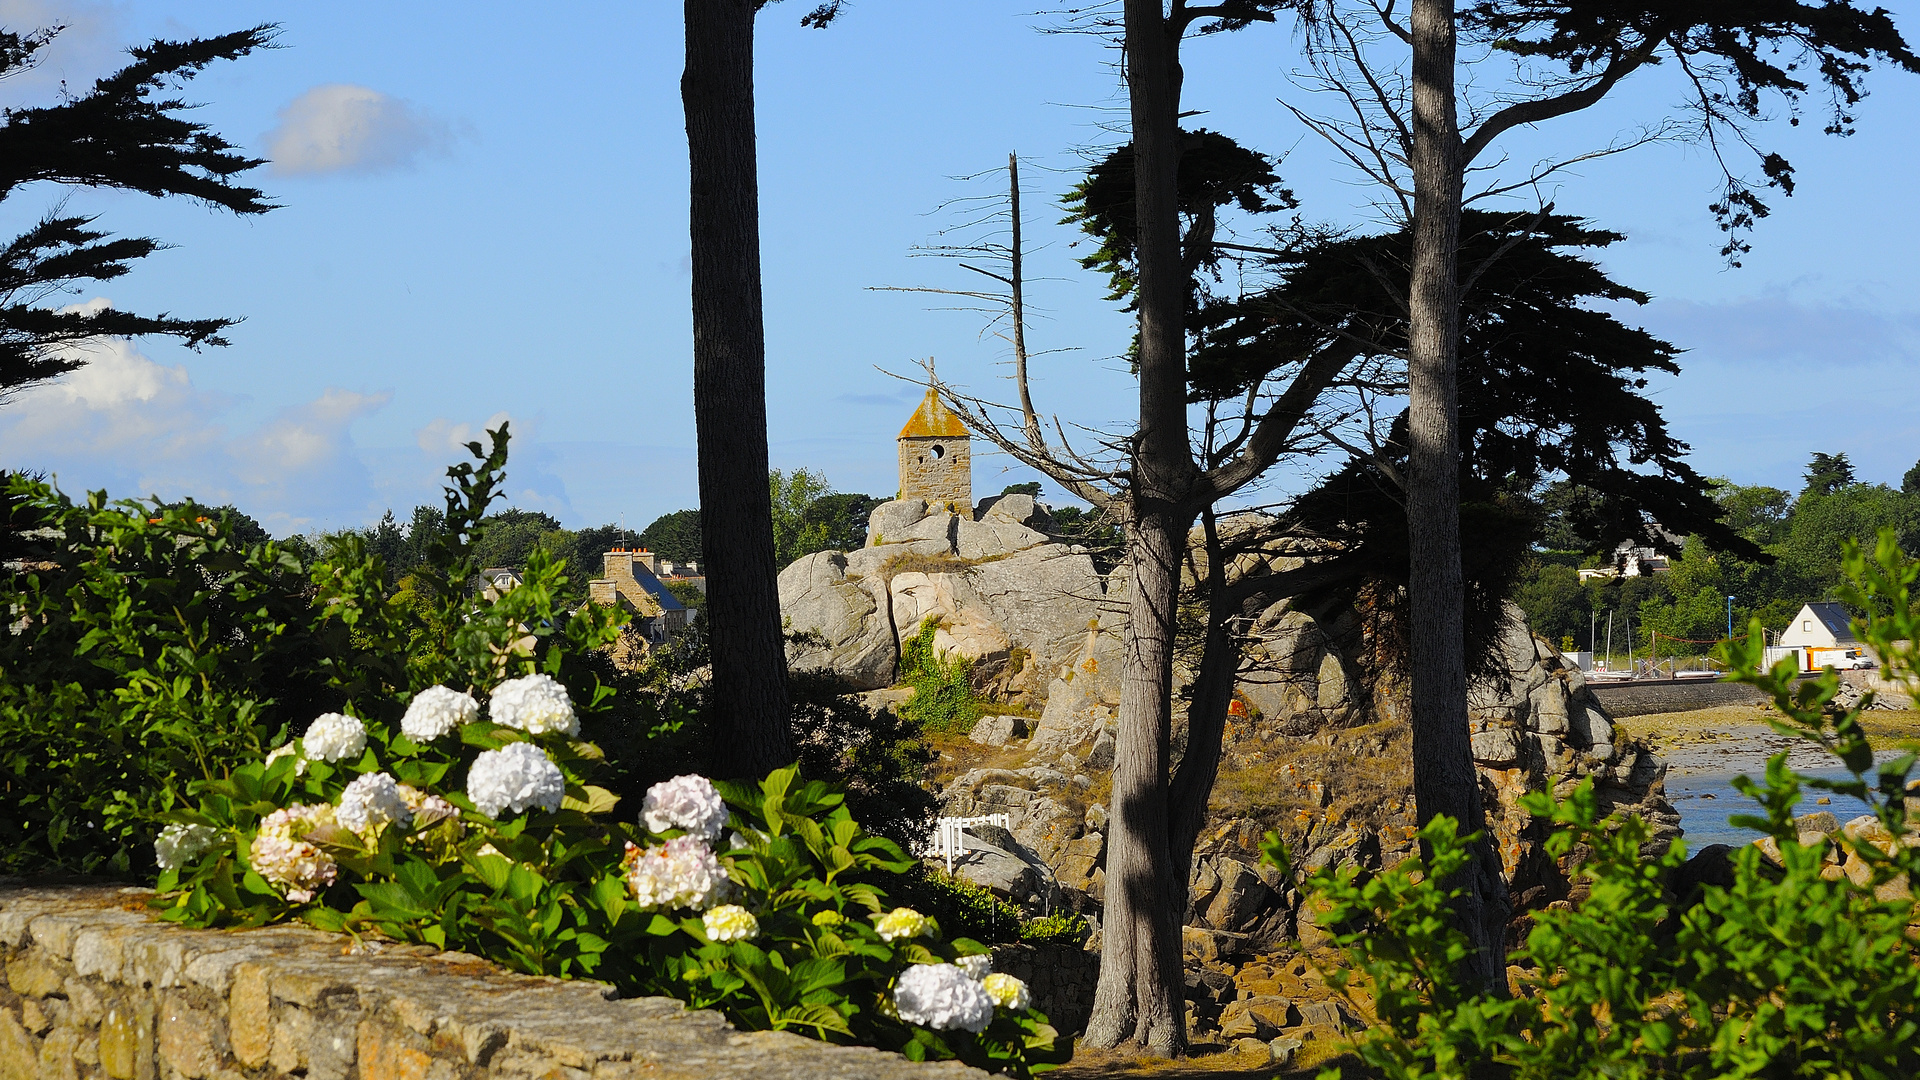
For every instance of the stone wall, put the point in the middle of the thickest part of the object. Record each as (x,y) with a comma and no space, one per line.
(95,988)
(1062,978)
(1657,696)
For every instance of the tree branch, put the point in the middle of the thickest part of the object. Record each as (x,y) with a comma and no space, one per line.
(1533,112)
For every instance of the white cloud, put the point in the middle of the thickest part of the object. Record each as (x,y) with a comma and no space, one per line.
(445,438)
(136,428)
(531,481)
(339,127)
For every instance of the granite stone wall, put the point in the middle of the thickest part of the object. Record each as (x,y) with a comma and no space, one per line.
(94,988)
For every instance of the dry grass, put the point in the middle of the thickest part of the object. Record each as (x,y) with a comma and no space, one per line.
(908,562)
(958,754)
(1368,773)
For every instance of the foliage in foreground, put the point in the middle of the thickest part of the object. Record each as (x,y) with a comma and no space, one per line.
(1798,969)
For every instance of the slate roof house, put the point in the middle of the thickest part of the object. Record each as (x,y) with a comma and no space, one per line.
(1821,636)
(631,579)
(1823,625)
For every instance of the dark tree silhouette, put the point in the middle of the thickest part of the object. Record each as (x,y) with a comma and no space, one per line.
(126,132)
(675,536)
(749,699)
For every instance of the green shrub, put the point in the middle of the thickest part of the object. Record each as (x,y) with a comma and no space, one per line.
(1796,970)
(963,906)
(1060,928)
(943,701)
(149,648)
(973,910)
(877,756)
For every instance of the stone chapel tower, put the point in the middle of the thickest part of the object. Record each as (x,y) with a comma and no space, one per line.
(936,457)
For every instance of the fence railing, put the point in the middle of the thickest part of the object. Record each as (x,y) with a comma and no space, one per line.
(950,838)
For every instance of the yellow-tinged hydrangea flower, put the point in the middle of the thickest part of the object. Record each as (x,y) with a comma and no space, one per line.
(900,923)
(282,854)
(828,917)
(427,808)
(1007,992)
(730,922)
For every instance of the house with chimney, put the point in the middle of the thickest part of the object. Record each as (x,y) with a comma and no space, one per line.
(630,579)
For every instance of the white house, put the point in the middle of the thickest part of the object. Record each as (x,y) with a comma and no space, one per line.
(1821,634)
(1629,560)
(1822,625)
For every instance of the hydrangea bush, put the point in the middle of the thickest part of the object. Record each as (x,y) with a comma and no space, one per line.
(491,838)
(291,739)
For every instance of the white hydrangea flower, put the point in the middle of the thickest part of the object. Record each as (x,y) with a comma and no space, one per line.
(333,737)
(940,996)
(515,777)
(977,966)
(179,845)
(536,704)
(291,750)
(900,923)
(371,802)
(1007,992)
(436,711)
(281,853)
(681,873)
(685,802)
(730,922)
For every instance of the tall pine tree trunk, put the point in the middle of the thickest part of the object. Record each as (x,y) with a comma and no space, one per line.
(1140,993)
(749,688)
(1444,778)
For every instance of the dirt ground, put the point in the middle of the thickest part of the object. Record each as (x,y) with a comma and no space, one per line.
(1089,1064)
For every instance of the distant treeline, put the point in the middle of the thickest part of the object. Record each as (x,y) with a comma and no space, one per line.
(808,516)
(1801,531)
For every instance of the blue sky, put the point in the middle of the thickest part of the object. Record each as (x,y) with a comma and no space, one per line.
(484,215)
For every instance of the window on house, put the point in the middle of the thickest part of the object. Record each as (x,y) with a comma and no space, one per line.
(1806,626)
(939,451)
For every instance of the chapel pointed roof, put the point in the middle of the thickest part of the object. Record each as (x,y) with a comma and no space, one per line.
(933,420)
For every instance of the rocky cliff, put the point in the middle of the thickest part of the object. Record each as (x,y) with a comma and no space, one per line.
(1005,595)
(1317,748)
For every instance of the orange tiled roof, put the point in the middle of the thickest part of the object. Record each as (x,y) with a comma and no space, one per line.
(933,420)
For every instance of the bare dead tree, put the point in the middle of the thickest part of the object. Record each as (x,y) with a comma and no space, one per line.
(1155,483)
